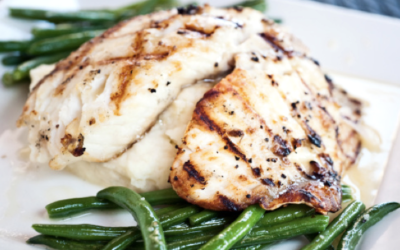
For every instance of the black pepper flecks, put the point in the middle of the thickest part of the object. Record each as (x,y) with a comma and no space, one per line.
(237,166)
(248,196)
(255,59)
(237,158)
(232,112)
(226,147)
(216,64)
(168,83)
(175,178)
(283,176)
(152,90)
(250,160)
(266,139)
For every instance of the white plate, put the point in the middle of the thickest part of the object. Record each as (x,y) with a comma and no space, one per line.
(345,42)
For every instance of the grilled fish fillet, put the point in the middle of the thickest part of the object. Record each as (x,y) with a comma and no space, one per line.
(271,132)
(99,101)
(115,109)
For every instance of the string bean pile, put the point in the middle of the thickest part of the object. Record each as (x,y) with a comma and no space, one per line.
(177,225)
(70,30)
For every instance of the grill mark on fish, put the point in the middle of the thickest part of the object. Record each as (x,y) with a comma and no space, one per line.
(268,181)
(281,147)
(313,137)
(125,77)
(236,133)
(274,42)
(200,30)
(229,204)
(192,172)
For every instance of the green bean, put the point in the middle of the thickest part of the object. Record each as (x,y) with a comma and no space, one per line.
(192,230)
(204,215)
(92,232)
(214,232)
(178,216)
(12,60)
(10,46)
(66,28)
(259,5)
(62,43)
(219,220)
(8,80)
(148,221)
(162,197)
(123,241)
(336,227)
(82,231)
(144,7)
(255,247)
(370,217)
(286,230)
(288,213)
(68,207)
(311,237)
(190,244)
(59,17)
(65,244)
(237,230)
(178,226)
(22,71)
(346,194)
(168,209)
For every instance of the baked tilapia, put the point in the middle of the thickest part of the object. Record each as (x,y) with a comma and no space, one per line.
(271,132)
(98,107)
(116,109)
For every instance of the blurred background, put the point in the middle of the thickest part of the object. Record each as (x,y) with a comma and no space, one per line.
(383,7)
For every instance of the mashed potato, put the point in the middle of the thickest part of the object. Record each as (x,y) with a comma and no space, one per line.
(146,165)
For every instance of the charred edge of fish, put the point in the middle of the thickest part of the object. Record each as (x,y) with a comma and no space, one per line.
(236,133)
(230,205)
(282,147)
(192,172)
(191,9)
(268,182)
(307,196)
(328,177)
(313,137)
